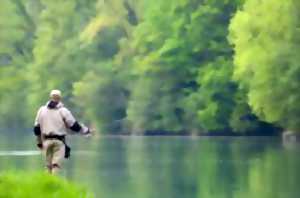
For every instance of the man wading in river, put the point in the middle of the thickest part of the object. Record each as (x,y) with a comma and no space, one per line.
(51,125)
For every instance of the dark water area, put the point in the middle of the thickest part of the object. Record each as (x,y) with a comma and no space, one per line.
(175,167)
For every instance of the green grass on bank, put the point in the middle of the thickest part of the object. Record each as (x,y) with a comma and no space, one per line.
(39,185)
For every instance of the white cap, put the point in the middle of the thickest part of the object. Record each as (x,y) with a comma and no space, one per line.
(55,92)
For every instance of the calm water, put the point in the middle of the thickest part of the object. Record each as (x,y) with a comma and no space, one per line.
(172,167)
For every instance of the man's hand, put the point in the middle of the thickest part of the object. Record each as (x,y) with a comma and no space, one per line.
(88,133)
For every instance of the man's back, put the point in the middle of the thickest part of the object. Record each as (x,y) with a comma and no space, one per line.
(51,121)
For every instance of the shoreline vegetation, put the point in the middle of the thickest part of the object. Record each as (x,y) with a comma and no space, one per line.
(216,133)
(152,67)
(39,184)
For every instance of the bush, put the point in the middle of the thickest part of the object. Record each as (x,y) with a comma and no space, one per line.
(38,185)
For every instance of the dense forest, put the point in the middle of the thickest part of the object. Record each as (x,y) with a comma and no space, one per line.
(137,66)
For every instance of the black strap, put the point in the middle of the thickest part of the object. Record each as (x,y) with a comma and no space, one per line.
(37,130)
(53,136)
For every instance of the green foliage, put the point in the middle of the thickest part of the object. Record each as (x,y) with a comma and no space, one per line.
(38,185)
(242,119)
(152,106)
(16,38)
(103,97)
(14,28)
(58,60)
(11,96)
(138,66)
(100,91)
(182,66)
(217,91)
(265,35)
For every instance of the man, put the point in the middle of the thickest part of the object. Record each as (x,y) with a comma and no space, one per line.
(51,125)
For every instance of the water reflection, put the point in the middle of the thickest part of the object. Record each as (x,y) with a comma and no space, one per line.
(177,167)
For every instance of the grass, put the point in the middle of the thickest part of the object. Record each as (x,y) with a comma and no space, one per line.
(39,185)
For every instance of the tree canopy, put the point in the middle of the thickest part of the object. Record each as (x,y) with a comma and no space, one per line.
(267,60)
(129,66)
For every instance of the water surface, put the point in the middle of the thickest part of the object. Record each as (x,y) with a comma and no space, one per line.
(170,167)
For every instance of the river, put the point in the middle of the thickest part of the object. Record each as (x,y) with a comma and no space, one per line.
(170,167)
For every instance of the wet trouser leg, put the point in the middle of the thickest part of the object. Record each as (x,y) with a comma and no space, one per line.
(55,151)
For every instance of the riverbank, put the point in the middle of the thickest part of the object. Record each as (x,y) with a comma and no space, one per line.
(38,184)
(291,138)
(270,133)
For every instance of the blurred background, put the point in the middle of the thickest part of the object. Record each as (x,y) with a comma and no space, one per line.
(158,67)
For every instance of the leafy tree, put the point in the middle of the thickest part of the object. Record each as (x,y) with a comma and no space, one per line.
(265,35)
(16,41)
(101,91)
(180,58)
(141,66)
(58,58)
(101,94)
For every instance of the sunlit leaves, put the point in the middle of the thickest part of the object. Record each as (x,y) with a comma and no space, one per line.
(266,59)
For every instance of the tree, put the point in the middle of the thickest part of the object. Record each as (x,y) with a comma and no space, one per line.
(266,39)
(102,89)
(16,42)
(58,58)
(182,66)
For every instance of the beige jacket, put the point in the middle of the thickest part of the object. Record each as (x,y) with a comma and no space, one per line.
(54,121)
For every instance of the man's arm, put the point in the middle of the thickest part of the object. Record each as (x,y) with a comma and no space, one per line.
(37,129)
(72,123)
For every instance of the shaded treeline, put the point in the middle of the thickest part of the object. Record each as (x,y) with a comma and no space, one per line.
(131,66)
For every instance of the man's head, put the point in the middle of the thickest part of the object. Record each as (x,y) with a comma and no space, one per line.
(55,95)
